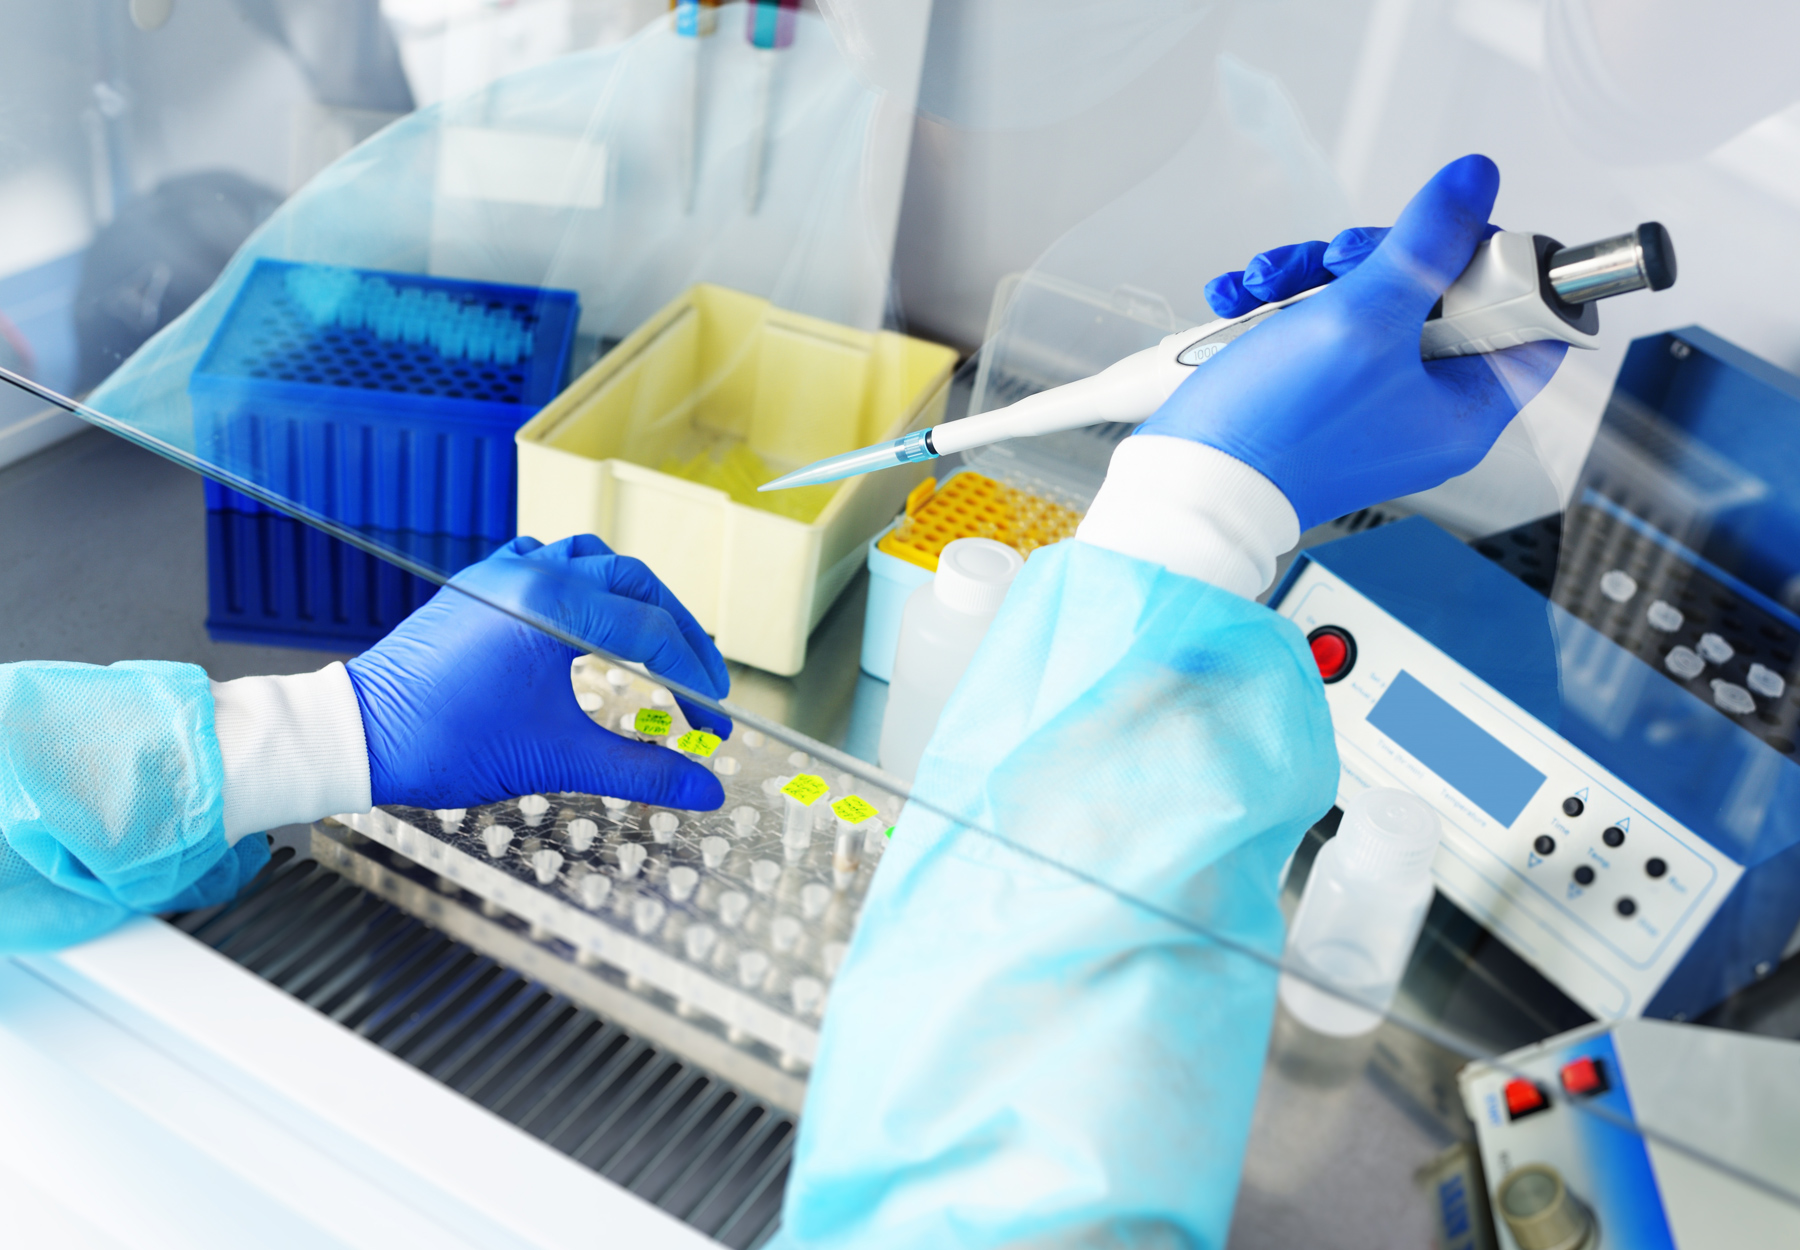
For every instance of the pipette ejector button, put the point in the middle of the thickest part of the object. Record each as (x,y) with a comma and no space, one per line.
(1628,262)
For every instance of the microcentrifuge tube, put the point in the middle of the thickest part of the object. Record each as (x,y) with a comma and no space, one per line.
(796,827)
(726,765)
(546,863)
(589,702)
(1732,698)
(833,956)
(846,856)
(532,807)
(808,994)
(752,967)
(699,940)
(733,904)
(814,899)
(798,759)
(1682,662)
(771,786)
(713,850)
(496,838)
(752,739)
(614,806)
(618,678)
(681,883)
(647,915)
(744,820)
(784,933)
(1714,648)
(663,826)
(764,873)
(662,698)
(628,723)
(451,818)
(631,858)
(582,833)
(1618,585)
(1664,616)
(1766,682)
(823,818)
(594,889)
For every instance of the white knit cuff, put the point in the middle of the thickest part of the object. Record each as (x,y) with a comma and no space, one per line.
(293,749)
(1194,510)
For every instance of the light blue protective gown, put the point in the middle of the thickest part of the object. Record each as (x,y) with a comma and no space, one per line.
(111,800)
(1035,1040)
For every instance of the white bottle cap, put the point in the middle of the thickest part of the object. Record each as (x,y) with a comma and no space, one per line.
(1386,831)
(973,575)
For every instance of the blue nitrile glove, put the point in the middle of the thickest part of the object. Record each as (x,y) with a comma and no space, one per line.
(464,704)
(1329,399)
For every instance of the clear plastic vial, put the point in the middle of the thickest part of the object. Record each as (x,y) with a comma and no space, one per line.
(945,620)
(1360,917)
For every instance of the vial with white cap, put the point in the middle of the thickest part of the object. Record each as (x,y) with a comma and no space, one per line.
(1360,917)
(944,622)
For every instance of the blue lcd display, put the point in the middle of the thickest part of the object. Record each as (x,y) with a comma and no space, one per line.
(1453,747)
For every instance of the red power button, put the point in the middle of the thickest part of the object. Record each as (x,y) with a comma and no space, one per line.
(1334,651)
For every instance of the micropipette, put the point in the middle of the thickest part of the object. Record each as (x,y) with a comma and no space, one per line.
(1518,288)
(771,27)
(693,20)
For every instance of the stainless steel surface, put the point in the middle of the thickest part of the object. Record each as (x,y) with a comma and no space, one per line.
(672,1133)
(1600,270)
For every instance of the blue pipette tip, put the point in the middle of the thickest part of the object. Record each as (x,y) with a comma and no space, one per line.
(904,450)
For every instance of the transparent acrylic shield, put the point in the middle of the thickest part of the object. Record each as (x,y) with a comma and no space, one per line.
(609,290)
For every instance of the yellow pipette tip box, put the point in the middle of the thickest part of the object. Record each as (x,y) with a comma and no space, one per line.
(715,384)
(972,505)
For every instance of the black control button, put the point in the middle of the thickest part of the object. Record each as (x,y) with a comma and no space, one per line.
(1614,836)
(1584,875)
(1626,907)
(1573,806)
(1655,867)
(1544,844)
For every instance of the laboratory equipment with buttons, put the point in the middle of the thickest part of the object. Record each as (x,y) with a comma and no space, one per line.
(1612,1135)
(1604,723)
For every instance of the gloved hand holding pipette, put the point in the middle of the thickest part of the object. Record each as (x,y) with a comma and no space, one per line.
(1330,400)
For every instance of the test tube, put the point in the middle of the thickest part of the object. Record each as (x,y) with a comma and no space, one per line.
(631,858)
(682,882)
(582,833)
(663,826)
(784,934)
(496,838)
(713,850)
(764,873)
(744,820)
(532,807)
(814,899)
(771,28)
(618,678)
(796,828)
(808,994)
(733,904)
(589,702)
(699,941)
(594,889)
(546,863)
(451,818)
(846,855)
(647,915)
(752,967)
(615,808)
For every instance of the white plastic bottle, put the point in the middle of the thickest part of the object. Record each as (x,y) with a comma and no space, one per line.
(1360,917)
(944,622)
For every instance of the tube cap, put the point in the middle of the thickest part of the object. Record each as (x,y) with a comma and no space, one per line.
(1387,831)
(973,575)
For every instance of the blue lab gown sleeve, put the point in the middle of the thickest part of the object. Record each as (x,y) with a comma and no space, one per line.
(1053,1036)
(111,800)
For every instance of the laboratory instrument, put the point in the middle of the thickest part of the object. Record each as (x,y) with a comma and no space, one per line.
(769,26)
(944,623)
(1518,288)
(1360,916)
(1619,1135)
(1590,756)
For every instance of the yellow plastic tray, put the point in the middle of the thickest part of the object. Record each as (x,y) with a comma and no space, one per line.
(713,369)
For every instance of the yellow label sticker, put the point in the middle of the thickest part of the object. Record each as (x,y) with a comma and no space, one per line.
(805,789)
(653,721)
(853,809)
(698,742)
